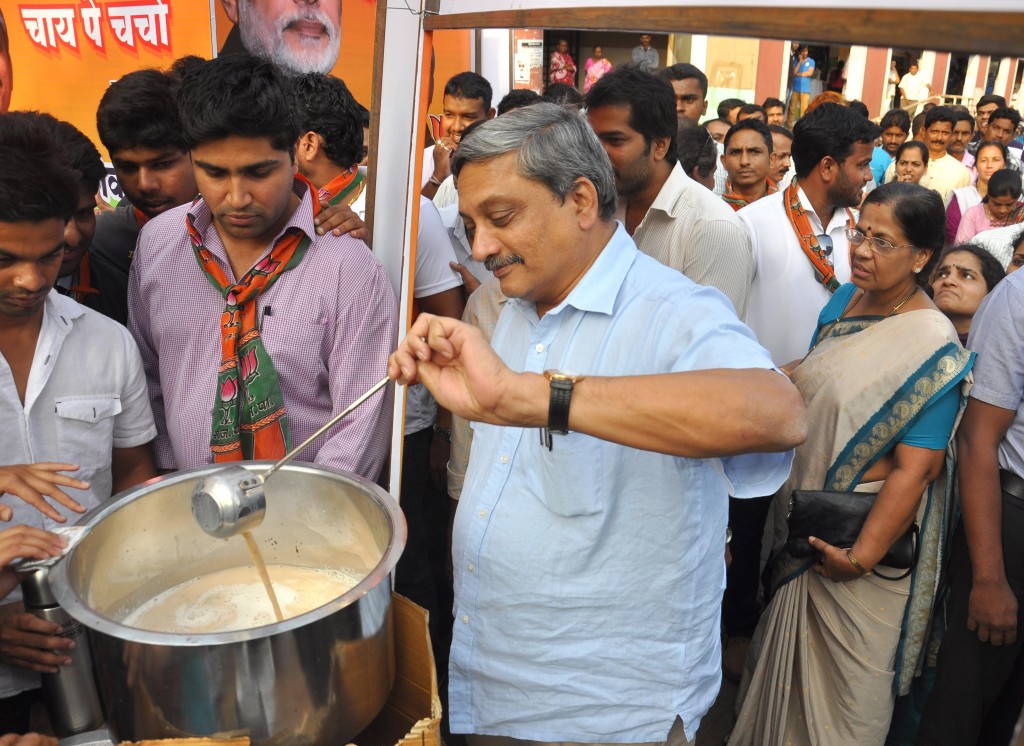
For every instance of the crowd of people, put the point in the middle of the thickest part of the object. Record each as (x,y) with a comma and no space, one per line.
(640,338)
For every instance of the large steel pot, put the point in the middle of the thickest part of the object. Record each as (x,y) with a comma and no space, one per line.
(318,678)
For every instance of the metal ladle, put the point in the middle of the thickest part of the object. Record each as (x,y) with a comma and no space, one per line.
(231,500)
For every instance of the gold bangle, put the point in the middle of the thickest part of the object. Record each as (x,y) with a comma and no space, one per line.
(857,565)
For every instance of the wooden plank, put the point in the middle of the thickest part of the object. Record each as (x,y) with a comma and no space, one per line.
(954,31)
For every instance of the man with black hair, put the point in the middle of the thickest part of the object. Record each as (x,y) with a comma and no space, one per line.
(803,69)
(1002,127)
(669,216)
(751,111)
(717,128)
(775,111)
(467,99)
(330,140)
(138,125)
(801,255)
(281,326)
(690,86)
(74,277)
(782,145)
(696,152)
(645,57)
(517,99)
(75,420)
(750,160)
(895,126)
(963,131)
(945,173)
(983,109)
(914,89)
(563,94)
(729,109)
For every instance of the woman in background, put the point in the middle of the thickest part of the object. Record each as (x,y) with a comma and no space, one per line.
(883,387)
(990,157)
(911,163)
(595,68)
(965,275)
(562,68)
(996,208)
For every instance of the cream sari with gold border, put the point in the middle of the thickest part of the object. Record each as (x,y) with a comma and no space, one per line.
(828,658)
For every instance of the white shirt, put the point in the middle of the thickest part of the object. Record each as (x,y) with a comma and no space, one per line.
(915,86)
(693,231)
(86,395)
(785,296)
(460,242)
(433,276)
(446,194)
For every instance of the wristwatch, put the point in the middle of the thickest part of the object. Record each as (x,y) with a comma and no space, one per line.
(562,382)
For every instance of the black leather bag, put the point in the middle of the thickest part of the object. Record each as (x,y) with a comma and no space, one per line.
(837,517)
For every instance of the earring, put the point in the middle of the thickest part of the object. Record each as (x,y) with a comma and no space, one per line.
(917,270)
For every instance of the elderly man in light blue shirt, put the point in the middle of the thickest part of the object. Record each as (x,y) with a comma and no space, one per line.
(589,542)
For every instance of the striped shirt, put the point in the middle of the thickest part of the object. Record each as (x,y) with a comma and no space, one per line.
(328,325)
(693,231)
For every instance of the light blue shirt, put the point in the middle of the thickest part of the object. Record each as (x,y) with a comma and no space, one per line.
(589,578)
(880,160)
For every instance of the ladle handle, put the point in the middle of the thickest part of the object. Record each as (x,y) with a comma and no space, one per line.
(334,421)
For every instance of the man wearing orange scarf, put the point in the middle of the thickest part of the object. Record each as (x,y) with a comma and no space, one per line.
(254,329)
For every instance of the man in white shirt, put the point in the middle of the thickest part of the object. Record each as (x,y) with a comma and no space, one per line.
(72,393)
(914,89)
(671,217)
(467,99)
(945,173)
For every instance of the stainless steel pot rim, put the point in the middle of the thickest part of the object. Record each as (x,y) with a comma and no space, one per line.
(77,608)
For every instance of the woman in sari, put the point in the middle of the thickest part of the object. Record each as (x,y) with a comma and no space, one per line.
(562,68)
(990,157)
(883,384)
(595,68)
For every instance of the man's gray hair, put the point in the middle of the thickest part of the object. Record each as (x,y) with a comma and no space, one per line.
(554,146)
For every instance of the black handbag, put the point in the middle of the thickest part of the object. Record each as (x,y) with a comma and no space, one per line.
(837,517)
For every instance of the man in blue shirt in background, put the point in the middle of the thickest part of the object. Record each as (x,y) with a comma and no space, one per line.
(801,96)
(589,542)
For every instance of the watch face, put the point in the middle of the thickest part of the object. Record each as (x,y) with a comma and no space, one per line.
(562,375)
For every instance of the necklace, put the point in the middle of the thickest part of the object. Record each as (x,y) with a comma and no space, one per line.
(827,330)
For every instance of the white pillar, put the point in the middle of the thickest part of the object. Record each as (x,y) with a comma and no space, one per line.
(397,179)
(495,60)
(971,79)
(1002,76)
(699,52)
(855,66)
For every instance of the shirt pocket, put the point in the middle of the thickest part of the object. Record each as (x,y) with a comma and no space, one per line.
(85,430)
(572,475)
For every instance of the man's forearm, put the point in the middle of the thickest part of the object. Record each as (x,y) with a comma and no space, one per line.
(699,414)
(981,503)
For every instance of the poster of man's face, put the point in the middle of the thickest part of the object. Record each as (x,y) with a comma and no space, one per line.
(299,35)
(6,72)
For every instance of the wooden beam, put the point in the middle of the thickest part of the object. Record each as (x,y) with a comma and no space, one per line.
(953,31)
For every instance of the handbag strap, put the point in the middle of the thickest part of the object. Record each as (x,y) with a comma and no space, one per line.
(916,531)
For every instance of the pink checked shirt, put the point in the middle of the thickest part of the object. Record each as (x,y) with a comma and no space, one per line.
(328,324)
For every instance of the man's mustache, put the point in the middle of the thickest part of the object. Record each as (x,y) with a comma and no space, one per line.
(496,262)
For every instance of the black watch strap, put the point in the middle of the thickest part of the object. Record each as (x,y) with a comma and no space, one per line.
(558,408)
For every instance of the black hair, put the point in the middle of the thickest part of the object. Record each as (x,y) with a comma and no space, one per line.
(695,149)
(728,105)
(919,213)
(1004,183)
(140,111)
(748,109)
(896,118)
(651,101)
(181,66)
(991,98)
(1005,112)
(235,96)
(939,114)
(517,99)
(751,124)
(78,150)
(36,182)
(772,103)
(962,115)
(992,144)
(470,85)
(858,106)
(829,130)
(1018,241)
(324,105)
(991,270)
(908,144)
(562,94)
(778,129)
(685,71)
